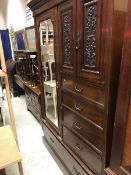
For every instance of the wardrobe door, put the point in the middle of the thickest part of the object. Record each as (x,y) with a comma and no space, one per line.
(48,58)
(90,63)
(67,30)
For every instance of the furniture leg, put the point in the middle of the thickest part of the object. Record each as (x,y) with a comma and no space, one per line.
(50,69)
(20,168)
(54,102)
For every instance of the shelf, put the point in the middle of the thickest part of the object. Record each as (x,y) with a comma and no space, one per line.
(10,153)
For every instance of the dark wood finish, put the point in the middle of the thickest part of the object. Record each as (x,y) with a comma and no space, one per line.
(67,30)
(2,172)
(33,96)
(121,152)
(33,102)
(91,113)
(82,150)
(85,129)
(88,56)
(70,164)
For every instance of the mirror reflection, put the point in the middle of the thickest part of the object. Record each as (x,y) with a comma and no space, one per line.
(48,64)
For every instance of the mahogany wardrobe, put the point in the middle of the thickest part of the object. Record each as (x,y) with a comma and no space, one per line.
(79,48)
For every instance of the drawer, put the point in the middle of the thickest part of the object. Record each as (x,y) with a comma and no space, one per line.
(35,98)
(87,110)
(34,111)
(84,128)
(89,157)
(92,93)
(72,165)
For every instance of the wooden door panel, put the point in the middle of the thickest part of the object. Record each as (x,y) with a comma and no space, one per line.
(66,13)
(89,30)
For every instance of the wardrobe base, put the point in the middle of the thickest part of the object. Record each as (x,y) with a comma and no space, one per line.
(66,162)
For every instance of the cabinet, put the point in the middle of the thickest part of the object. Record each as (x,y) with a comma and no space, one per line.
(87,54)
(26,78)
(33,102)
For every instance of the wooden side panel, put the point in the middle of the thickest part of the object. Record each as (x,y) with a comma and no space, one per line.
(127,146)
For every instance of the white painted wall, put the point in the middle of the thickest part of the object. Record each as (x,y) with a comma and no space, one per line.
(13,12)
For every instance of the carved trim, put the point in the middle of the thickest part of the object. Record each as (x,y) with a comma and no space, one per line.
(67,39)
(90,35)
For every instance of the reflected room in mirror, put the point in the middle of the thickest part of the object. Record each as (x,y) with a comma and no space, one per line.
(48,64)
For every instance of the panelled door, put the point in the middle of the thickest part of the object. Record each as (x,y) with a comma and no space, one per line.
(89,16)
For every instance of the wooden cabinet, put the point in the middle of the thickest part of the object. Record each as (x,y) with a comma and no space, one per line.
(33,102)
(87,59)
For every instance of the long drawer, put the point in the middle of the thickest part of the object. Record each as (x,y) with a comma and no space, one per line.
(71,164)
(86,154)
(87,110)
(90,92)
(84,128)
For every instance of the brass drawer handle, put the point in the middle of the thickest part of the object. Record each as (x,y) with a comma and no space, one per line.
(76,171)
(78,89)
(78,108)
(78,126)
(78,147)
(52,140)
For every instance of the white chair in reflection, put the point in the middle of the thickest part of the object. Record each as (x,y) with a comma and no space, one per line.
(50,88)
(49,85)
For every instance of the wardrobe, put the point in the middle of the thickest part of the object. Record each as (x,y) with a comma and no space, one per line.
(79,45)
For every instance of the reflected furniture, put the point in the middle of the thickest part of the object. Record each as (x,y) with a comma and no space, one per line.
(120,163)
(27,79)
(87,54)
(50,88)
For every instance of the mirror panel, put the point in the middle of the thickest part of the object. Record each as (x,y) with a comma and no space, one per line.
(48,65)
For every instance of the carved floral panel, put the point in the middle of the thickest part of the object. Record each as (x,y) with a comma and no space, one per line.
(90,35)
(67,28)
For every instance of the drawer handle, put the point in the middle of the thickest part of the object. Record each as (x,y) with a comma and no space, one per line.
(78,89)
(78,108)
(78,147)
(76,171)
(78,126)
(52,140)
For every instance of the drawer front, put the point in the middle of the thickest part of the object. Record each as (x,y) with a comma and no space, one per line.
(92,93)
(90,157)
(34,111)
(85,109)
(35,98)
(84,128)
(73,167)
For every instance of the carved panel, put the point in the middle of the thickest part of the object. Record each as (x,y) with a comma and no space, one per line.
(90,35)
(67,39)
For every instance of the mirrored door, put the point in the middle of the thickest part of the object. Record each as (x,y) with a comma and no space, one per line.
(48,67)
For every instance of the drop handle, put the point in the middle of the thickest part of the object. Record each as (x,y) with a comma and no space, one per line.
(78,147)
(78,89)
(78,108)
(78,126)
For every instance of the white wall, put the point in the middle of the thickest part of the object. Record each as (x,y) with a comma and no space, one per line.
(13,12)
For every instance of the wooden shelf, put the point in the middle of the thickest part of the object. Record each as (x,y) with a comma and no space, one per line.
(9,153)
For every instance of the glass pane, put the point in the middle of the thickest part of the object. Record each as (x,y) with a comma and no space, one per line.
(48,63)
